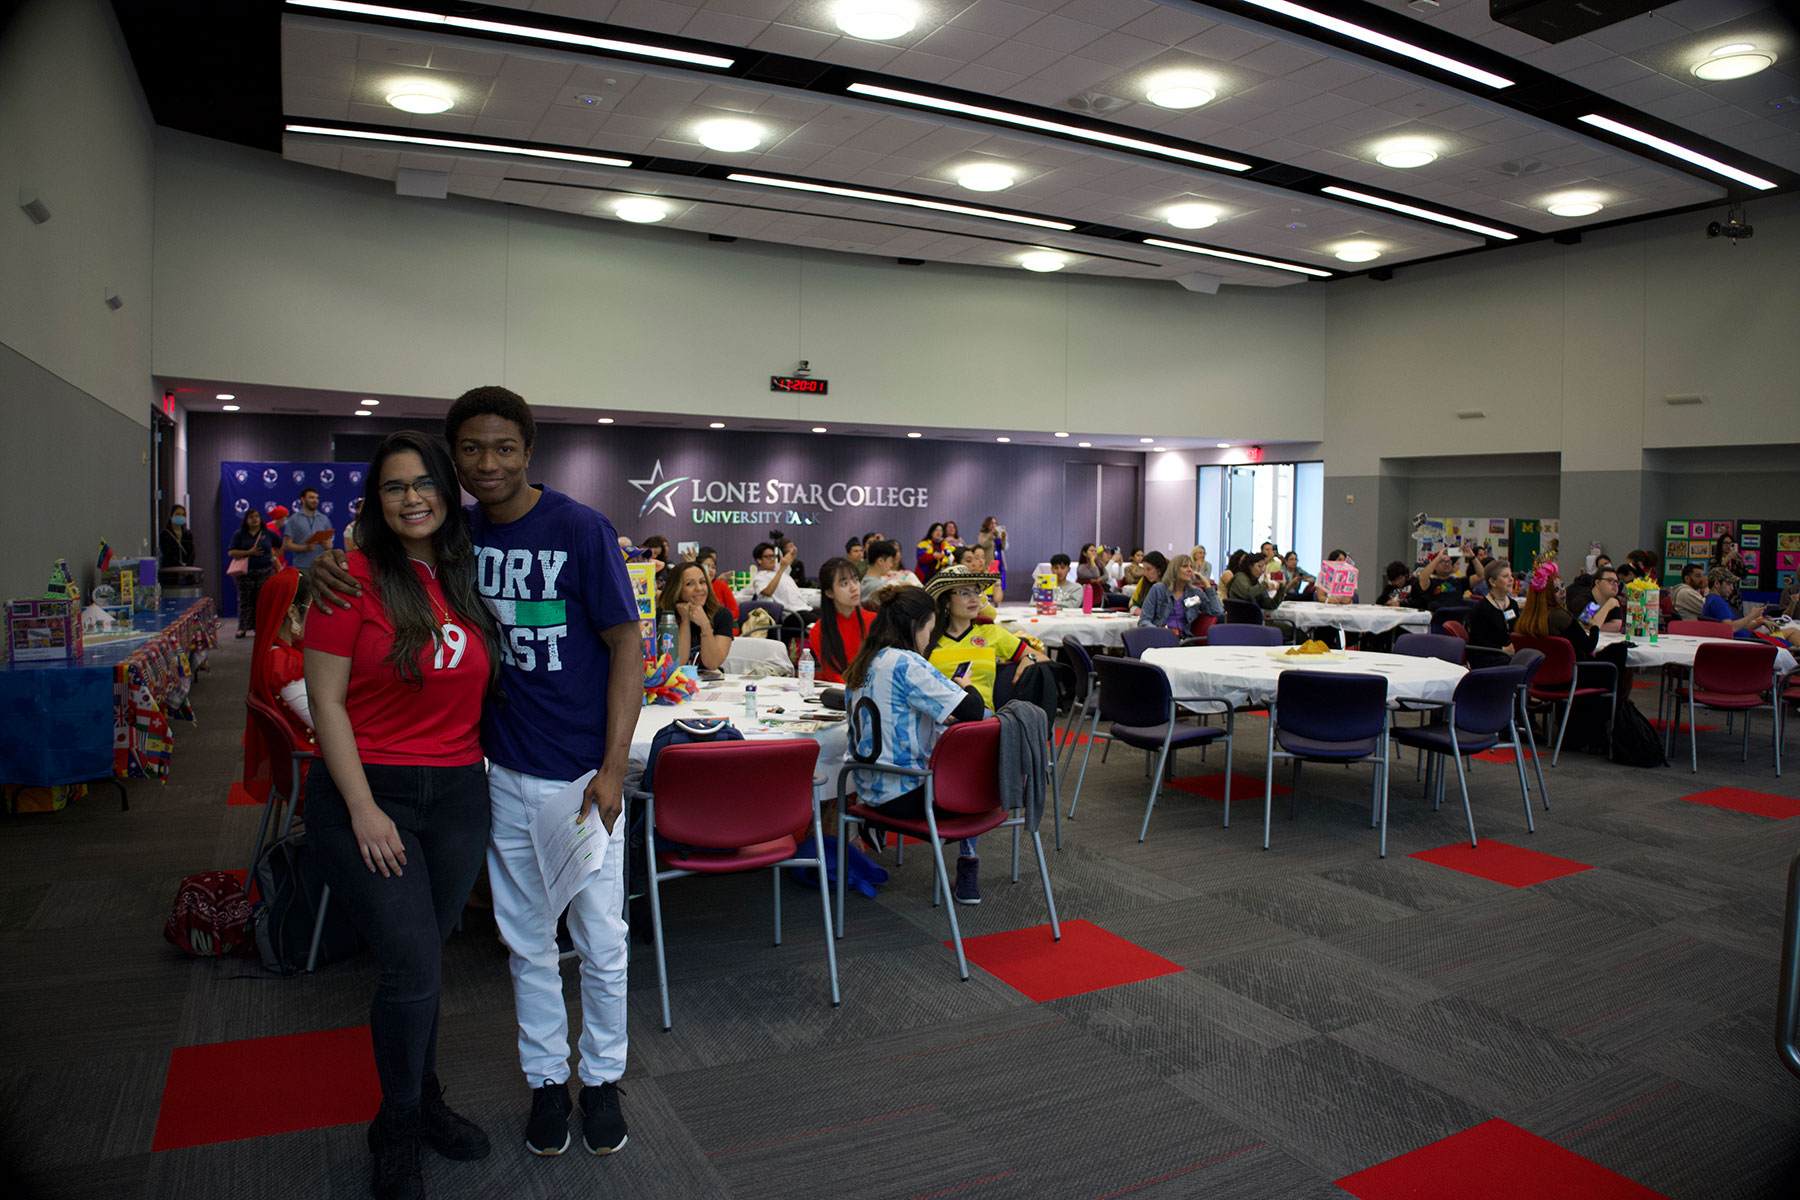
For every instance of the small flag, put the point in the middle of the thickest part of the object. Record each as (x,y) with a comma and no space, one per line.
(106,556)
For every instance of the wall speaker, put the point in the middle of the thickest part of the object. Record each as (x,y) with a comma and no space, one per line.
(34,206)
(1200,281)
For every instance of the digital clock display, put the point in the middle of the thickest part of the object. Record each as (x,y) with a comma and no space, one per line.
(797,383)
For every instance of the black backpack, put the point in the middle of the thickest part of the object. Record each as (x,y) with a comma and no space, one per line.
(1635,742)
(292,885)
(637,844)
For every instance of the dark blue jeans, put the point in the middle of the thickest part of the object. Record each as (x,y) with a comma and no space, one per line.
(442,815)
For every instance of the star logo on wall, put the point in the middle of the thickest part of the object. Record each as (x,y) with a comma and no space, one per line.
(659,493)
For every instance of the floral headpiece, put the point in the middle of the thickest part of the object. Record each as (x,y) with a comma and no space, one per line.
(1543,575)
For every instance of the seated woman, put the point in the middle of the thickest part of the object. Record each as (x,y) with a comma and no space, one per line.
(703,627)
(708,558)
(399,815)
(967,653)
(836,636)
(1721,586)
(931,553)
(1247,584)
(1489,631)
(898,705)
(656,550)
(1131,570)
(1178,598)
(1150,573)
(1234,564)
(1088,572)
(1543,614)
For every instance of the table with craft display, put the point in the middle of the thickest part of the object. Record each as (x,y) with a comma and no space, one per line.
(1249,675)
(783,710)
(1090,629)
(106,714)
(1351,618)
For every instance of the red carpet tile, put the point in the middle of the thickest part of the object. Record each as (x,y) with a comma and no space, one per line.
(1763,804)
(1660,723)
(1243,787)
(1514,866)
(1064,738)
(1646,683)
(243,795)
(1495,1160)
(326,1078)
(1502,754)
(1086,960)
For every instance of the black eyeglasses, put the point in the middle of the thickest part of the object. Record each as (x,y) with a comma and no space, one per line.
(424,485)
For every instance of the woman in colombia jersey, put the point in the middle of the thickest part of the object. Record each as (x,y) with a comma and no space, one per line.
(400,814)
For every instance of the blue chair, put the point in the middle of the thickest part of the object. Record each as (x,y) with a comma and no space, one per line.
(1136,698)
(1432,645)
(1148,637)
(1115,602)
(1242,612)
(1477,717)
(1450,612)
(772,607)
(1529,661)
(1324,716)
(1087,692)
(1243,635)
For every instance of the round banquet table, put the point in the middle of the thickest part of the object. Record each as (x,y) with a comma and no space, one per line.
(1247,675)
(1090,629)
(1352,618)
(1678,650)
(725,698)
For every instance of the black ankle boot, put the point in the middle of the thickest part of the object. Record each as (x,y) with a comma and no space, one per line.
(444,1130)
(394,1141)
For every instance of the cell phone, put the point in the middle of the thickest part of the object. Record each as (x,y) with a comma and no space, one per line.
(1587,614)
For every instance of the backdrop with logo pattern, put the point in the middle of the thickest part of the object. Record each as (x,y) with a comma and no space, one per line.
(263,485)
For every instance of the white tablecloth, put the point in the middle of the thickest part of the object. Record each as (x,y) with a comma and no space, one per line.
(1354,618)
(1247,675)
(1096,629)
(1678,649)
(726,699)
(808,596)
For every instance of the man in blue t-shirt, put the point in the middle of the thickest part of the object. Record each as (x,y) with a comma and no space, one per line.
(1720,583)
(572,672)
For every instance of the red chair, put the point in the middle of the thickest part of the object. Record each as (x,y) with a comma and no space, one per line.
(279,734)
(1730,676)
(963,783)
(1675,674)
(1705,629)
(1558,682)
(1198,629)
(1455,629)
(733,806)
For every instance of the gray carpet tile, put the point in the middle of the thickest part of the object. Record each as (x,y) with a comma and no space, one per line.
(1335,1009)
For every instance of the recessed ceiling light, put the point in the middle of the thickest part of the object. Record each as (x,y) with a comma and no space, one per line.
(876,20)
(362,412)
(367,403)
(1085,445)
(231,408)
(640,210)
(1358,251)
(915,434)
(604,420)
(1405,154)
(716,425)
(1391,44)
(1681,152)
(1177,92)
(986,177)
(370,135)
(729,135)
(645,49)
(1159,449)
(1146,441)
(818,429)
(891,198)
(1191,216)
(1424,214)
(1574,206)
(1733,62)
(1243,258)
(1043,260)
(1224,445)
(1003,439)
(1056,127)
(224,396)
(1059,434)
(417,100)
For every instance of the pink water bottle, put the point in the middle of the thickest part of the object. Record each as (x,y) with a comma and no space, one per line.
(1087,600)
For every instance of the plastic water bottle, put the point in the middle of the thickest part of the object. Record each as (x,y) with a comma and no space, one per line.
(665,635)
(749,702)
(806,671)
(1087,600)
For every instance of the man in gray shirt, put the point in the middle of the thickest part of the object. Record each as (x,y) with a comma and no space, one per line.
(301,527)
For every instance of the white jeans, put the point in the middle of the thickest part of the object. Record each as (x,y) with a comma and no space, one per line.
(596,922)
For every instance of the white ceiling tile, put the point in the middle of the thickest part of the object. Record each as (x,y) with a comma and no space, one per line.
(1019,58)
(959,43)
(791,39)
(1121,50)
(1059,33)
(730,29)
(982,79)
(925,68)
(996,18)
(660,16)
(1605,74)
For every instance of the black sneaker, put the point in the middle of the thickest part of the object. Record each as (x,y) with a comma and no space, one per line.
(398,1173)
(547,1132)
(602,1120)
(968,888)
(446,1131)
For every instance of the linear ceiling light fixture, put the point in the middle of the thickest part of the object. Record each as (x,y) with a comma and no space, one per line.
(586,41)
(1424,214)
(1681,152)
(1056,127)
(445,143)
(1392,45)
(891,198)
(1243,258)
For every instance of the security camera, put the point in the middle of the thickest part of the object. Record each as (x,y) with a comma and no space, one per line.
(805,368)
(1733,226)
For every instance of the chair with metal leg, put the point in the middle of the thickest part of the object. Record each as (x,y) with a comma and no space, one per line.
(1148,637)
(1558,681)
(723,830)
(1529,661)
(1735,677)
(1136,698)
(1477,717)
(962,800)
(1324,716)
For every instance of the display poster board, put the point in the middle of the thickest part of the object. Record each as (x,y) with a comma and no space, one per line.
(1467,532)
(1692,541)
(1771,552)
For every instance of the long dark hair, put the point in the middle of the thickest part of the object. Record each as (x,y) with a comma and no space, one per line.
(398,588)
(937,525)
(899,613)
(671,592)
(831,642)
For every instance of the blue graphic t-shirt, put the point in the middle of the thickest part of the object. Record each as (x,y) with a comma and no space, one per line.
(554,579)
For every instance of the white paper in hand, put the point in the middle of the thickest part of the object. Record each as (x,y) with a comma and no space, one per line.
(568,851)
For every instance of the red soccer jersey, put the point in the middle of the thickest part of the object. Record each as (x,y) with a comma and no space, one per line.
(851,629)
(435,725)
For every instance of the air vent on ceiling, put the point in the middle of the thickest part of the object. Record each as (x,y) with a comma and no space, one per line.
(780,68)
(1685,398)
(280,409)
(1096,103)
(1520,166)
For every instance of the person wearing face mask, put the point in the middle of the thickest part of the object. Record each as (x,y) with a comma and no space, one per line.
(175,541)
